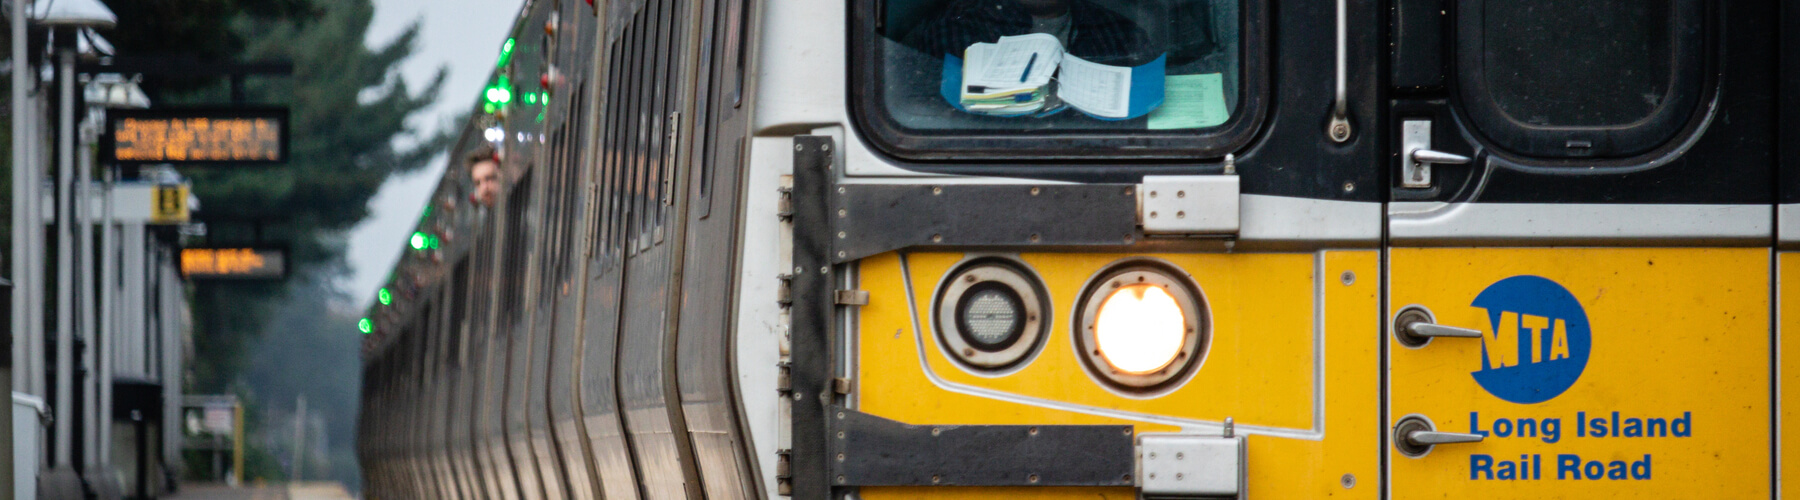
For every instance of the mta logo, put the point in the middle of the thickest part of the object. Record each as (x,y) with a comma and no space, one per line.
(1538,341)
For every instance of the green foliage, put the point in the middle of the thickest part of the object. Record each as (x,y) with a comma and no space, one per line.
(348,106)
(271,341)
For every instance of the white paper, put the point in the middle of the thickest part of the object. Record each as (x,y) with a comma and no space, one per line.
(1005,64)
(1097,89)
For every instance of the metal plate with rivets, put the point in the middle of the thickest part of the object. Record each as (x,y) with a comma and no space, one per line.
(867,450)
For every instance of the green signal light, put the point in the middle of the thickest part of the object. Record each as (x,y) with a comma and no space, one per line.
(366,326)
(418,241)
(530,98)
(498,95)
(385,297)
(506,52)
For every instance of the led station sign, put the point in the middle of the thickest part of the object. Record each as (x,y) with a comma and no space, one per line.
(233,263)
(196,135)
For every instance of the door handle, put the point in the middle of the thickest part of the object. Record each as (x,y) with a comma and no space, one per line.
(1415,143)
(1414,327)
(1414,436)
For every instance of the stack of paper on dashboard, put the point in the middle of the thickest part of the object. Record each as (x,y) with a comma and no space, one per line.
(1012,77)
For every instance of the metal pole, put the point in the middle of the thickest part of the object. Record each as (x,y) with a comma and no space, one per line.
(299,436)
(106,345)
(22,225)
(65,279)
(84,279)
(34,202)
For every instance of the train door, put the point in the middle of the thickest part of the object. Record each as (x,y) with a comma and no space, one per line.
(709,204)
(648,59)
(1578,290)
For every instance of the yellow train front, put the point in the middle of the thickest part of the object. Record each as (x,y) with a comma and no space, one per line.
(1227,249)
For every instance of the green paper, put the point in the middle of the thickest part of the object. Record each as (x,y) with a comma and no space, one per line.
(1191,101)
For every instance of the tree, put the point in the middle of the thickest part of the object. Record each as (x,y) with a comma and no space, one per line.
(348,105)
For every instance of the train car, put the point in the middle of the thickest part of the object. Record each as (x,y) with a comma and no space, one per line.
(1199,249)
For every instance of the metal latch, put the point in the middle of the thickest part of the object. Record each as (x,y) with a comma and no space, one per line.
(852,297)
(1192,466)
(1188,204)
(1415,147)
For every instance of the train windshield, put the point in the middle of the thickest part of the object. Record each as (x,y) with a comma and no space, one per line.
(1052,66)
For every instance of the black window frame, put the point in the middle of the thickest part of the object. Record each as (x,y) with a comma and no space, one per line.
(1693,65)
(886,136)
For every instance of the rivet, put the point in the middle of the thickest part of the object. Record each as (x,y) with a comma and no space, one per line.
(1181,194)
(1348,277)
(937,190)
(935,479)
(1128,431)
(969,278)
(1032,431)
(1181,214)
(840,479)
(825,147)
(841,255)
(1178,476)
(840,417)
(824,269)
(842,213)
(1125,477)
(935,431)
(1153,214)
(1178,455)
(842,234)
(1034,238)
(798,147)
(1349,187)
(796,396)
(1128,191)
(798,270)
(1153,475)
(1153,455)
(840,457)
(1349,481)
(840,190)
(966,352)
(840,434)
(1034,191)
(1152,194)
(937,238)
(1033,478)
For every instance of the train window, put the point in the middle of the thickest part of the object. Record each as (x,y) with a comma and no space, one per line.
(985,78)
(1561,79)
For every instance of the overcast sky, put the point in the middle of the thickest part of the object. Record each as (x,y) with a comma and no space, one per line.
(463,36)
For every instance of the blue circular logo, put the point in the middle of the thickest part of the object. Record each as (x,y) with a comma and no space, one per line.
(1537,343)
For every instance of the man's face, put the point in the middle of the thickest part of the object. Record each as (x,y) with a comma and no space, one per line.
(487,183)
(1045,8)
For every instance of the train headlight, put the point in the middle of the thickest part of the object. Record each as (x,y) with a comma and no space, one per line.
(990,315)
(1141,328)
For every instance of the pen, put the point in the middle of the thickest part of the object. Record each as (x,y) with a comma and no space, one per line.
(1028,65)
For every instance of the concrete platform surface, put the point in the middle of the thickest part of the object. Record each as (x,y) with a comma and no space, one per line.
(295,491)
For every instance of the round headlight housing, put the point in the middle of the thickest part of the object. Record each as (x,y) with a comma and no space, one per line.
(990,315)
(1143,326)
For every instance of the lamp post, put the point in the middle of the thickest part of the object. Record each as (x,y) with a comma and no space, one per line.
(67,18)
(107,90)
